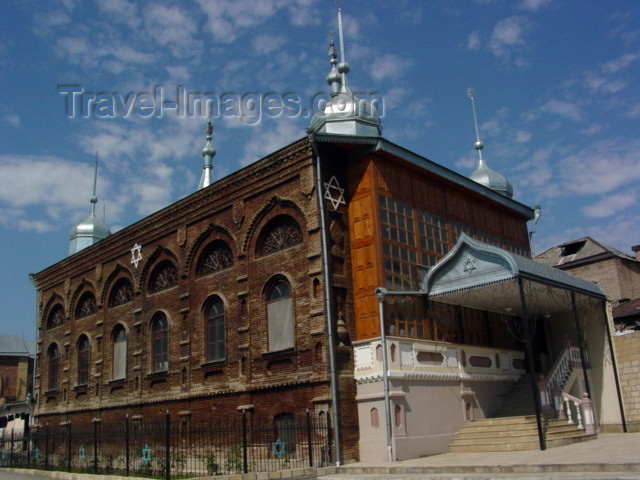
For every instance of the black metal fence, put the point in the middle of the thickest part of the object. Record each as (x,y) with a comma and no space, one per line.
(173,449)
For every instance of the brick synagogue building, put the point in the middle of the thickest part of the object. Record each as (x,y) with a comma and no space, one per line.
(264,292)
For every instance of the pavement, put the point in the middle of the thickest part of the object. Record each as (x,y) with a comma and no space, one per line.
(610,456)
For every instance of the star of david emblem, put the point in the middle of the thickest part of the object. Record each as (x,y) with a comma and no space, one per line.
(469,265)
(146,455)
(136,254)
(334,193)
(278,448)
(81,453)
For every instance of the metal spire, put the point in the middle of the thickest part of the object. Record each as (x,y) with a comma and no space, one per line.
(208,152)
(483,174)
(478,145)
(343,66)
(93,198)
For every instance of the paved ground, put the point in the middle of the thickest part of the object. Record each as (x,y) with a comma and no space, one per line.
(611,455)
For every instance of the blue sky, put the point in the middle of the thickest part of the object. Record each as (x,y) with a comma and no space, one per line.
(556,89)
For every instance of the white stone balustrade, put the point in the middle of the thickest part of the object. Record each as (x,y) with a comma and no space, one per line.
(429,359)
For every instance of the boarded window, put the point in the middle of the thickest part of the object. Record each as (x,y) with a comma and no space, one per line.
(119,353)
(280,317)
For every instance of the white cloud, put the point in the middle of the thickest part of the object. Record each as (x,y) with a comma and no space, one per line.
(265,44)
(534,4)
(611,205)
(389,65)
(620,63)
(473,41)
(266,138)
(563,108)
(507,34)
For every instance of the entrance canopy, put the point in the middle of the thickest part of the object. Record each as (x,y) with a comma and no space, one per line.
(481,276)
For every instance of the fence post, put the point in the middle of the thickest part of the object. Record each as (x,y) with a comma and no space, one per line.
(95,445)
(309,443)
(46,448)
(11,450)
(329,437)
(126,441)
(245,466)
(167,443)
(69,446)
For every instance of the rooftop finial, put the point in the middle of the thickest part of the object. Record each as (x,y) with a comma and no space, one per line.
(208,152)
(91,229)
(483,174)
(343,66)
(93,198)
(478,145)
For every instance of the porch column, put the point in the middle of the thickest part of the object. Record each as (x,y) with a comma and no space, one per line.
(534,385)
(583,357)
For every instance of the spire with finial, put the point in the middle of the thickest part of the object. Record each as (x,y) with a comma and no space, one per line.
(483,174)
(91,230)
(344,113)
(208,152)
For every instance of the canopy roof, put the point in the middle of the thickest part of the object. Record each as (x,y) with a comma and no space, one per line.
(482,276)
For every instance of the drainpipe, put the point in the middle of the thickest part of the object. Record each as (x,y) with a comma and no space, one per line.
(32,279)
(380,293)
(329,310)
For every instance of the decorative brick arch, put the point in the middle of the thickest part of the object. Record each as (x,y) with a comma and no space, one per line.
(51,303)
(116,273)
(83,287)
(274,207)
(160,253)
(212,232)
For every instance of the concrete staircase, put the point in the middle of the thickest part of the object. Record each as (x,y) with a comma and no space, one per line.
(514,433)
(514,427)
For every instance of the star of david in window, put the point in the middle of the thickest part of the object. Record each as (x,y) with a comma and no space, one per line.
(136,254)
(146,455)
(278,448)
(469,265)
(334,192)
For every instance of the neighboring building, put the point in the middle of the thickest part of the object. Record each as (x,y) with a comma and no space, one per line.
(617,273)
(16,383)
(264,291)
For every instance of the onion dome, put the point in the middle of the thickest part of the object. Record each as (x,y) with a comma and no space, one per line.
(483,174)
(208,152)
(90,230)
(344,113)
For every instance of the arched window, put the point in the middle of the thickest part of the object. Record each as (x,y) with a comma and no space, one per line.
(56,317)
(83,360)
(122,293)
(281,233)
(86,305)
(280,316)
(160,328)
(215,334)
(164,276)
(216,257)
(119,352)
(53,358)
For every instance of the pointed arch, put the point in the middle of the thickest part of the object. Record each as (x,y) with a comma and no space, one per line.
(81,289)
